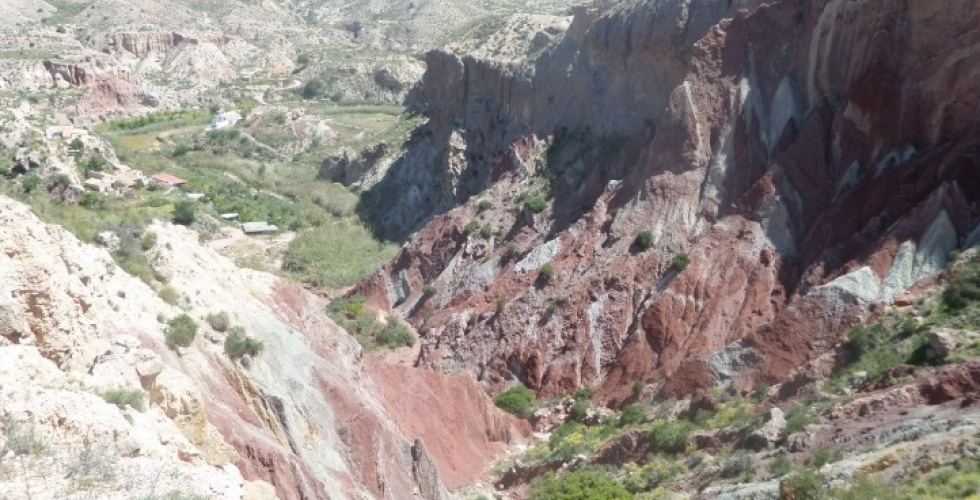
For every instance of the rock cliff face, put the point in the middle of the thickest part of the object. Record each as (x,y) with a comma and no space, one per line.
(309,418)
(811,161)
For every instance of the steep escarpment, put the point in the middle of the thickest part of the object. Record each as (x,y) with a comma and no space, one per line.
(89,373)
(682,193)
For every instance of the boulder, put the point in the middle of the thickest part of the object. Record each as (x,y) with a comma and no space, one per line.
(770,432)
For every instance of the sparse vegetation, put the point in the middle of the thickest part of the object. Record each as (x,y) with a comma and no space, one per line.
(181,331)
(351,315)
(429,290)
(536,203)
(336,255)
(518,400)
(484,205)
(21,439)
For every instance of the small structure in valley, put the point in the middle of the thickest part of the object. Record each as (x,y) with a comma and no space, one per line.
(225,120)
(259,228)
(168,180)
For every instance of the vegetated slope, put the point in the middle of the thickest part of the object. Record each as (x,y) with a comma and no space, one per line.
(116,390)
(682,194)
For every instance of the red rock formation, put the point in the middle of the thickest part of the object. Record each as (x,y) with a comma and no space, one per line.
(814,159)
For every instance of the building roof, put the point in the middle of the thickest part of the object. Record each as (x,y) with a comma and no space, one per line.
(258,227)
(168,179)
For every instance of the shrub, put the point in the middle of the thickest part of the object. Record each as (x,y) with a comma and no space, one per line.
(181,331)
(220,322)
(93,201)
(579,410)
(486,232)
(584,393)
(680,262)
(484,205)
(394,335)
(237,344)
(312,89)
(429,290)
(797,418)
(501,305)
(59,182)
(824,456)
(637,388)
(167,293)
(961,291)
(125,397)
(180,150)
(631,415)
(578,485)
(644,240)
(536,203)
(803,485)
(472,227)
(546,274)
(185,212)
(780,466)
(670,437)
(21,439)
(148,240)
(511,251)
(517,400)
(739,466)
(30,182)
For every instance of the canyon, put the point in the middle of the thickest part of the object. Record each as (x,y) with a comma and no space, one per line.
(692,213)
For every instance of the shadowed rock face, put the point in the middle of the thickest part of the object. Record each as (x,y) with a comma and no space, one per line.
(813,159)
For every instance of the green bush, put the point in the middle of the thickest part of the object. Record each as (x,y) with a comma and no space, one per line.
(518,400)
(472,227)
(780,466)
(803,485)
(501,305)
(961,291)
(429,290)
(167,293)
(546,274)
(185,212)
(584,393)
(680,262)
(148,240)
(644,240)
(738,466)
(824,456)
(237,344)
(125,397)
(797,418)
(670,436)
(486,232)
(394,335)
(579,410)
(181,331)
(631,415)
(336,255)
(578,485)
(536,203)
(484,205)
(30,182)
(220,322)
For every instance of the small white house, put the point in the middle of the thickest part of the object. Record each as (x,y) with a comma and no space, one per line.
(225,120)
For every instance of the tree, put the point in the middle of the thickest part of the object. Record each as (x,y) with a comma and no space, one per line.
(517,400)
(181,331)
(313,88)
(185,212)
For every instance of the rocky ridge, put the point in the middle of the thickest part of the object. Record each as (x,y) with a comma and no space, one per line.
(800,197)
(308,418)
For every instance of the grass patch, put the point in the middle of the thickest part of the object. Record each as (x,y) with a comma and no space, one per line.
(336,255)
